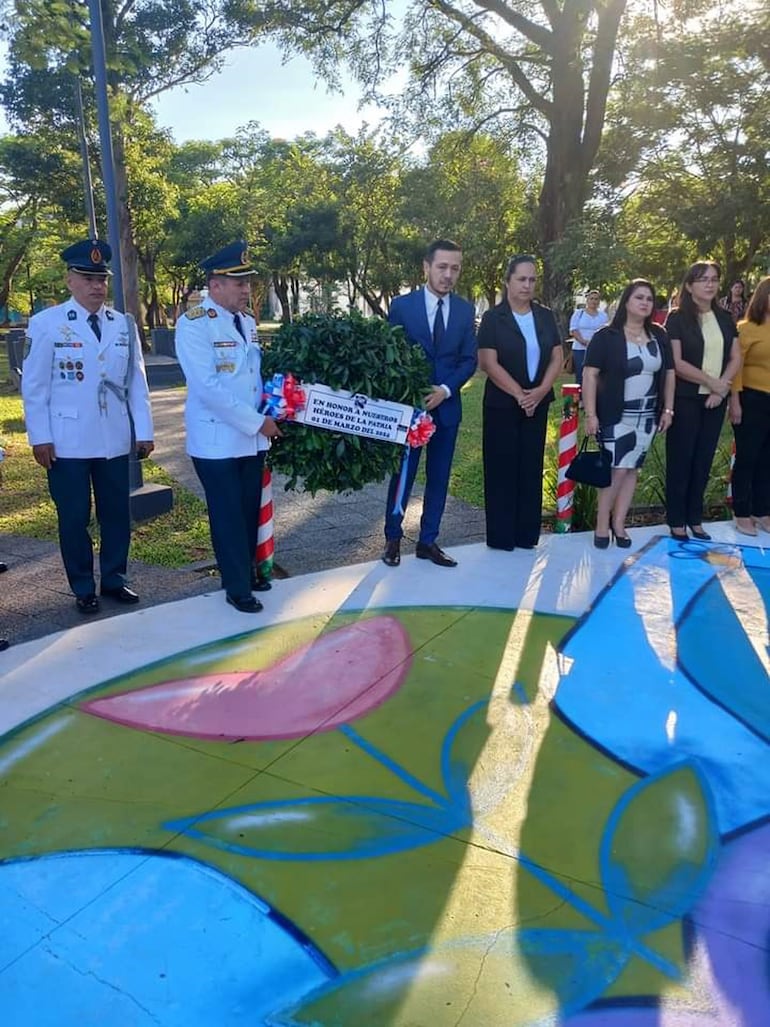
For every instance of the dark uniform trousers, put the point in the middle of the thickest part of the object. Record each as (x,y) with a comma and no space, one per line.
(233,488)
(70,482)
(513,452)
(691,443)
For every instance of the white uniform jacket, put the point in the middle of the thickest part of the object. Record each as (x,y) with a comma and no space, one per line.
(64,367)
(224,383)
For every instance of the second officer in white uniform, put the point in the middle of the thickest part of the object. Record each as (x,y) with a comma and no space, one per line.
(83,372)
(227,436)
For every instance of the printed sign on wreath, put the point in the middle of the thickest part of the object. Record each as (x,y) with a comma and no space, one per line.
(355,414)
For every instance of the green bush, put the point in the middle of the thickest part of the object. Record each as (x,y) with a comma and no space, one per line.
(355,353)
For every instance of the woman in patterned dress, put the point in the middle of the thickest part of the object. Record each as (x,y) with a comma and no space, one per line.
(628,395)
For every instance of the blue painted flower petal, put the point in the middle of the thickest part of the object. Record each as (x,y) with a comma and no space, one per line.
(145,939)
(659,849)
(348,827)
(532,973)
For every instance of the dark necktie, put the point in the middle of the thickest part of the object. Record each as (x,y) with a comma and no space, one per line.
(239,326)
(438,325)
(96,328)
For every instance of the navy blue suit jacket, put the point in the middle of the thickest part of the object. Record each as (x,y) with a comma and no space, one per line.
(455,362)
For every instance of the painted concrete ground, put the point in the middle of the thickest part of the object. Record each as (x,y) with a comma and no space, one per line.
(531,791)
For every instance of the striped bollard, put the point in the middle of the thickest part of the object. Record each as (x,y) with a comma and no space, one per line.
(568,433)
(729,496)
(265,540)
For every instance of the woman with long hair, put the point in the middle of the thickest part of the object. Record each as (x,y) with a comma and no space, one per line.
(707,357)
(628,396)
(750,416)
(736,301)
(520,351)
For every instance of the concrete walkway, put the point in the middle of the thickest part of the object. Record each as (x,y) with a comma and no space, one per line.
(533,789)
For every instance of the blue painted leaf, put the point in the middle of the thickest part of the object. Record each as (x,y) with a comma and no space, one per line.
(659,849)
(456,764)
(347,827)
(732,673)
(532,974)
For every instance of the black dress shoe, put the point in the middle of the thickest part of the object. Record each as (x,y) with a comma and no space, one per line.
(122,594)
(260,585)
(246,604)
(4,644)
(430,551)
(87,604)
(3,568)
(392,554)
(601,541)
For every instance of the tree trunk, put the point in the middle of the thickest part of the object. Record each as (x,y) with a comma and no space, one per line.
(576,118)
(281,287)
(10,267)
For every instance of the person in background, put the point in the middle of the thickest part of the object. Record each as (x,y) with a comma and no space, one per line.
(628,395)
(83,383)
(707,357)
(520,352)
(750,416)
(660,313)
(442,323)
(736,301)
(227,436)
(583,323)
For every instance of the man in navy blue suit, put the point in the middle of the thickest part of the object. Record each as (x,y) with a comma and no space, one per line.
(443,324)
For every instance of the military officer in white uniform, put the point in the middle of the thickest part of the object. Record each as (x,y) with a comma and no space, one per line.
(227,436)
(82,374)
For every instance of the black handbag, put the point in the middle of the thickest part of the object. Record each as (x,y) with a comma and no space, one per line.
(591,466)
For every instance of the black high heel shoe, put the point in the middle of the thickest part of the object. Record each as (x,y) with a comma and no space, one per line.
(601,541)
(621,541)
(702,536)
(680,536)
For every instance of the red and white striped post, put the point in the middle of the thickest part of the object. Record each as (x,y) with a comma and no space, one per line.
(729,496)
(265,540)
(568,433)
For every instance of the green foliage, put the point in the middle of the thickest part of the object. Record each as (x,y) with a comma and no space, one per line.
(355,353)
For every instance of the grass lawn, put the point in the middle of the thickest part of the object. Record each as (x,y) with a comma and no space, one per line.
(173,540)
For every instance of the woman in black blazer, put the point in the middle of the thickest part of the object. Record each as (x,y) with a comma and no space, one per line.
(707,356)
(628,396)
(520,350)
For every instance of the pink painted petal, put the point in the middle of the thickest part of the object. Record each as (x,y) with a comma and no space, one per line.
(332,680)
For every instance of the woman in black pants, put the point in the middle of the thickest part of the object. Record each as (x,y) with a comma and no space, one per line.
(520,351)
(750,414)
(707,357)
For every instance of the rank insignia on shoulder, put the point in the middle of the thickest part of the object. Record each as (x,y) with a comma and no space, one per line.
(211,312)
(109,315)
(72,315)
(195,312)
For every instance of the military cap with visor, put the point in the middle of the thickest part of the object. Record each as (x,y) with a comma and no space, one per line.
(231,261)
(88,257)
